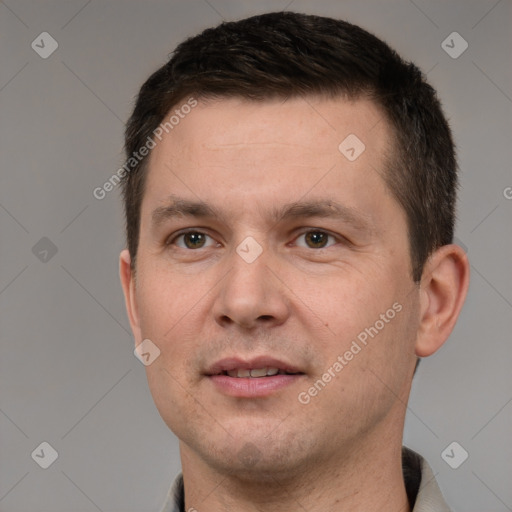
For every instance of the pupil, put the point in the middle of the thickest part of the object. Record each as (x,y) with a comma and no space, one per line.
(316,239)
(194,240)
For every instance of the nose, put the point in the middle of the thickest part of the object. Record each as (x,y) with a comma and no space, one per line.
(251,295)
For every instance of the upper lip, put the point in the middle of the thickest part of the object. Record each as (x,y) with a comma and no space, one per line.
(235,363)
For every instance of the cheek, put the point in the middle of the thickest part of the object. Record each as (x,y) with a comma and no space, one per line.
(176,314)
(366,317)
(372,362)
(387,356)
(167,317)
(174,404)
(346,299)
(165,299)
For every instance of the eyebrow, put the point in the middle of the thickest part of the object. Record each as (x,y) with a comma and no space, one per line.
(323,208)
(179,207)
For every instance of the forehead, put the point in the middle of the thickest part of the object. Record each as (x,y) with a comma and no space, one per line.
(257,149)
(300,121)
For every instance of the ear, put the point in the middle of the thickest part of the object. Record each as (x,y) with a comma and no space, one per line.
(443,288)
(128,282)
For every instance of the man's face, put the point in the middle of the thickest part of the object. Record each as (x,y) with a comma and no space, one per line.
(294,252)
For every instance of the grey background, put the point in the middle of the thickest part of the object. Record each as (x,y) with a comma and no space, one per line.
(68,373)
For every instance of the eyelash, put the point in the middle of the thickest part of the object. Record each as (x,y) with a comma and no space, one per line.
(172,241)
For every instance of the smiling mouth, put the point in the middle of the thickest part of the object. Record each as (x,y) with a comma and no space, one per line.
(252,378)
(256,373)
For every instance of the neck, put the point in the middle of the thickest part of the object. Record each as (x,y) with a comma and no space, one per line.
(366,478)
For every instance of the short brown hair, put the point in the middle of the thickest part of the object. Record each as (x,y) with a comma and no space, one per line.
(286,54)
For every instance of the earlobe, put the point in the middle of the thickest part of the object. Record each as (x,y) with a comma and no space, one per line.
(443,288)
(128,284)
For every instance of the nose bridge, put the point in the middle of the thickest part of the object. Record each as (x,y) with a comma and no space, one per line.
(250,261)
(250,294)
(248,279)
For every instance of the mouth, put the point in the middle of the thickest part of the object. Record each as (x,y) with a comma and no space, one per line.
(253,378)
(256,373)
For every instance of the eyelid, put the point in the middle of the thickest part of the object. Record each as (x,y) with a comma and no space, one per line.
(171,239)
(337,237)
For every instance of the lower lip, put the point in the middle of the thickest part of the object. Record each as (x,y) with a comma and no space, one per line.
(242,387)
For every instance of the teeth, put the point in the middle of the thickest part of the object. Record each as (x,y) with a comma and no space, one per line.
(254,373)
(262,372)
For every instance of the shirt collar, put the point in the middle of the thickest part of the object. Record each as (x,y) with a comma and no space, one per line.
(422,489)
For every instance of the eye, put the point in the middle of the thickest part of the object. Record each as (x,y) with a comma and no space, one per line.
(315,239)
(192,240)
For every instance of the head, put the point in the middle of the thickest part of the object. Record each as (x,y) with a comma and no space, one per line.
(287,55)
(350,257)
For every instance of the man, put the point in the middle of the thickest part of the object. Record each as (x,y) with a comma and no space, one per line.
(290,208)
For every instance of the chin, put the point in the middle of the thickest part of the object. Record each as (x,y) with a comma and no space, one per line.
(258,459)
(251,465)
